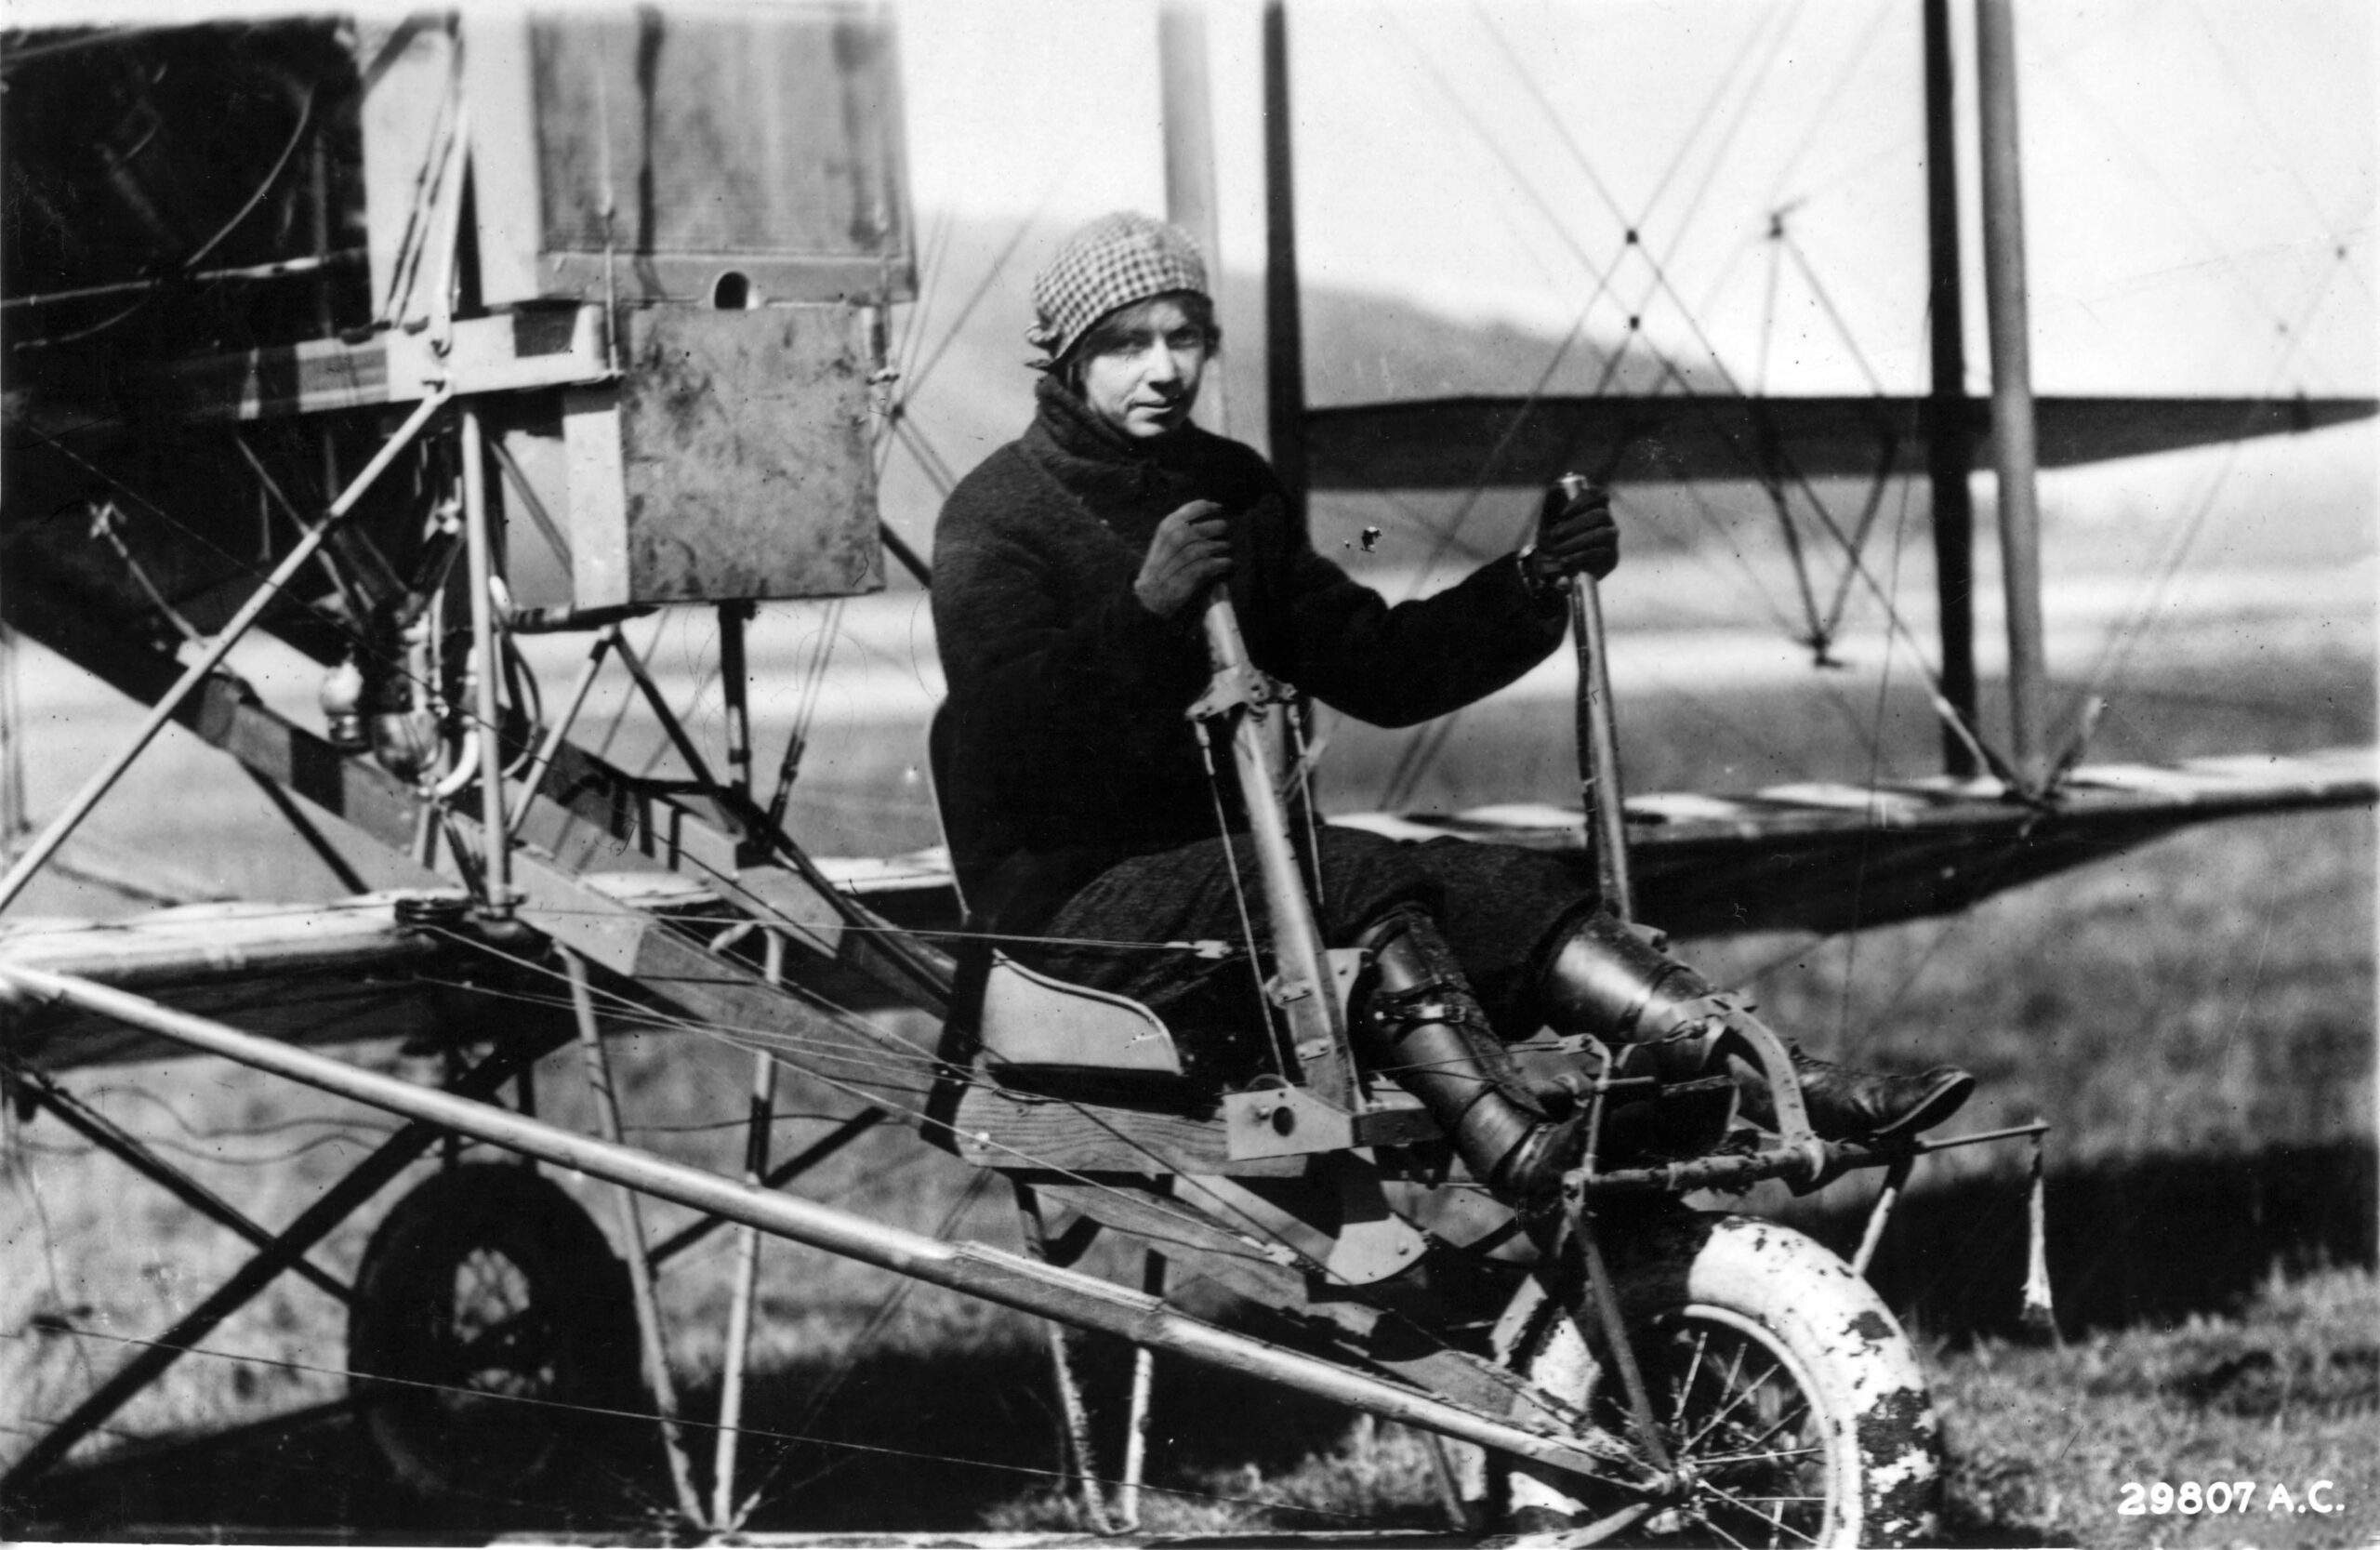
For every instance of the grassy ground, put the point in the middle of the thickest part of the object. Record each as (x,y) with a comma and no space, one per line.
(2043,1439)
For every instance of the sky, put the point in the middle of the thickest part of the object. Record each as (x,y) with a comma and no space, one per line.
(2198,174)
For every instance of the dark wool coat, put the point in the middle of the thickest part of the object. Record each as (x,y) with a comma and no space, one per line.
(1063,747)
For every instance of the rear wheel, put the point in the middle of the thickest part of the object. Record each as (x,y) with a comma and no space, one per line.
(487,1287)
(1790,1402)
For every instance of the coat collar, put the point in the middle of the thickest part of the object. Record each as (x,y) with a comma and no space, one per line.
(1103,467)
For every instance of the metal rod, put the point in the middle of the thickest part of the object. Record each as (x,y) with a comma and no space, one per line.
(1599,790)
(898,547)
(1740,1170)
(739,1307)
(127,1148)
(2012,387)
(70,817)
(534,775)
(730,817)
(735,694)
(974,1269)
(818,1152)
(205,277)
(631,1223)
(1303,986)
(1623,1350)
(313,1225)
(480,542)
(735,689)
(1896,1180)
(1948,448)
(308,830)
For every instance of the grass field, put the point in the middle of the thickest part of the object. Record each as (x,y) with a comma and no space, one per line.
(2195,1019)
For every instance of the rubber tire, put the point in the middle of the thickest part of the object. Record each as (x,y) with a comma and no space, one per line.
(1745,1281)
(574,1336)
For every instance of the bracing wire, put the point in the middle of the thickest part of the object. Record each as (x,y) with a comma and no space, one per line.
(2126,637)
(289,1364)
(1422,750)
(880,1318)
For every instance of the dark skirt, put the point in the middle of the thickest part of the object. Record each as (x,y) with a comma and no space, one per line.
(1500,908)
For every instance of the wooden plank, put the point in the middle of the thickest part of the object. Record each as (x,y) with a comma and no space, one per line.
(510,352)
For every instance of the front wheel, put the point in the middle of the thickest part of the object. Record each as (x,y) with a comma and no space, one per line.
(1788,1398)
(486,1286)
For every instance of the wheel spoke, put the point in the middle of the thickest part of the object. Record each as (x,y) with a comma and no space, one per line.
(1772,1455)
(1739,1395)
(1693,1370)
(1801,1407)
(1744,1506)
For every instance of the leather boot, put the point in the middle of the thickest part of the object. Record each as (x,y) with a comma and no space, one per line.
(1417,1020)
(1880,1105)
(1604,979)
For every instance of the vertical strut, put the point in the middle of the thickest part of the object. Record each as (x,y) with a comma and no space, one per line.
(1949,453)
(1076,1415)
(1188,113)
(1284,328)
(1136,1424)
(498,861)
(739,1309)
(631,1223)
(2012,385)
(735,689)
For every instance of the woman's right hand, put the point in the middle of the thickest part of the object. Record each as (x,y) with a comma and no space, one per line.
(1190,552)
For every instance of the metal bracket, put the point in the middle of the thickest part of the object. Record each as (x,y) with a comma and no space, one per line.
(1793,1132)
(1373,1243)
(1283,1122)
(1240,687)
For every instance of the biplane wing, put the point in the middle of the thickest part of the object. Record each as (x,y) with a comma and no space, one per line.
(1815,856)
(1461,442)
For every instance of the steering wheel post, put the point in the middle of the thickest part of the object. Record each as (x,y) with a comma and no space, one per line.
(1598,735)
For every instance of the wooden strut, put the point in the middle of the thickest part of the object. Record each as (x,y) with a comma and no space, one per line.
(496,899)
(737,1356)
(1079,1459)
(973,1270)
(631,1225)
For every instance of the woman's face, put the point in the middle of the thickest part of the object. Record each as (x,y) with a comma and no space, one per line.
(1142,375)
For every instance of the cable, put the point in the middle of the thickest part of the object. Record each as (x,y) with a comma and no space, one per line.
(487,1393)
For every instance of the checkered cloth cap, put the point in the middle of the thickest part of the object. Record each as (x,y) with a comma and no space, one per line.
(1113,262)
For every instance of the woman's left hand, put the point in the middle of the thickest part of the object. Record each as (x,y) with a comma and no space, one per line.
(1575,533)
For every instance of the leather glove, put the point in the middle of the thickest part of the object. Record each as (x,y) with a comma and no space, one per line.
(1189,553)
(1574,534)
